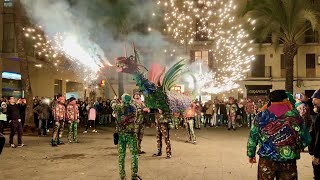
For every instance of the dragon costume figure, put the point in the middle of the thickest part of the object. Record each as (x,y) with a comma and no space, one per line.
(157,95)
(156,88)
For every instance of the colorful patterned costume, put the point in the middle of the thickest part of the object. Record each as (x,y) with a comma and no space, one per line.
(163,131)
(280,139)
(140,124)
(232,114)
(125,120)
(73,120)
(59,113)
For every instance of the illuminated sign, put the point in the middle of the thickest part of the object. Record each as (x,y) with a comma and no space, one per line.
(9,75)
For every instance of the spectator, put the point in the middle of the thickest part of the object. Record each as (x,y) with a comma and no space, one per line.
(103,115)
(208,113)
(3,116)
(198,110)
(43,112)
(91,119)
(314,148)
(109,111)
(22,108)
(15,122)
(2,142)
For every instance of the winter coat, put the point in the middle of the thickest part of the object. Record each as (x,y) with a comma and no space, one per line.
(92,114)
(209,107)
(43,111)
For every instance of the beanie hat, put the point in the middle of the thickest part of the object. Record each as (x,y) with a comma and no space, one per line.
(277,96)
(72,99)
(126,98)
(316,94)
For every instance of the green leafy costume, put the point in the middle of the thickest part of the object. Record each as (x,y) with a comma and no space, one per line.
(125,119)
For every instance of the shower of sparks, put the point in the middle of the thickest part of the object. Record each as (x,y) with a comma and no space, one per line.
(66,51)
(212,21)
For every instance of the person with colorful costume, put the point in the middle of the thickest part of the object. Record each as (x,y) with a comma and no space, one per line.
(140,121)
(59,114)
(281,134)
(125,112)
(162,126)
(232,109)
(250,111)
(73,120)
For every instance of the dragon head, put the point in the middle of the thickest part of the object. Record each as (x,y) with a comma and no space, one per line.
(127,65)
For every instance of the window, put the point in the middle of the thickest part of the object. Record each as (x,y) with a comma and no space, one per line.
(8,33)
(311,36)
(283,66)
(7,3)
(258,66)
(311,65)
(202,56)
(57,87)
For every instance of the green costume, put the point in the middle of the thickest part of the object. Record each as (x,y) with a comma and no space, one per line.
(73,131)
(139,125)
(125,119)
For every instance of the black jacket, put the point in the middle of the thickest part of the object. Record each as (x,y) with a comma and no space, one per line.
(314,148)
(13,112)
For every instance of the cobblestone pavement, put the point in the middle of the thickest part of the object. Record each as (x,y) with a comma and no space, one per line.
(218,155)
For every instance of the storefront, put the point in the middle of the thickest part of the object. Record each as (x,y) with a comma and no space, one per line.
(256,92)
(11,84)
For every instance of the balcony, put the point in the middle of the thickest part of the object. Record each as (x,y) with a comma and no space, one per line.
(265,73)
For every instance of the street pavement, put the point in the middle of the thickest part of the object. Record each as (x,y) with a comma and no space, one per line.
(218,155)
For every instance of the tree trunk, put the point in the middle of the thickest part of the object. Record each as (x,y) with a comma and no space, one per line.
(20,22)
(290,49)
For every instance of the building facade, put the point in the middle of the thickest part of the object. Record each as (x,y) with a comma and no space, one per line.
(45,80)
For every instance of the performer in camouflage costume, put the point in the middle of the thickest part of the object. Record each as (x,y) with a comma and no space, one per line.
(125,113)
(59,114)
(140,124)
(232,113)
(250,111)
(162,119)
(73,120)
